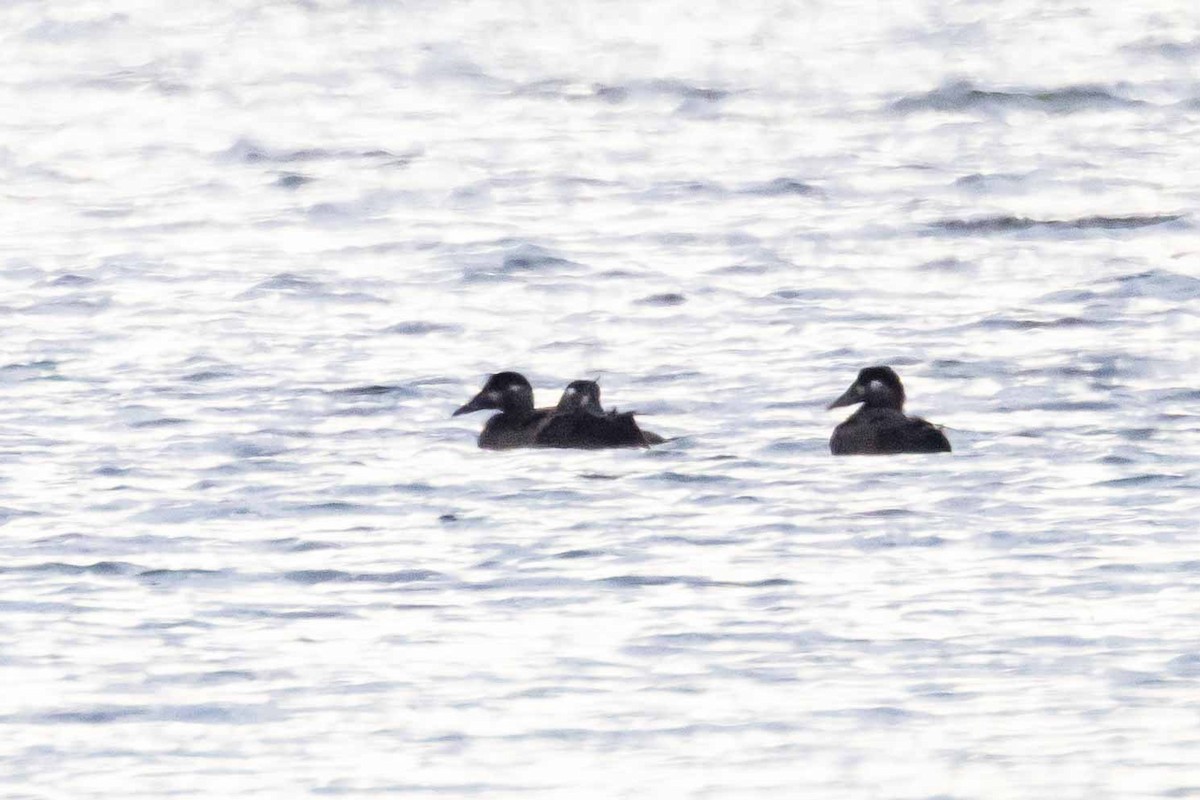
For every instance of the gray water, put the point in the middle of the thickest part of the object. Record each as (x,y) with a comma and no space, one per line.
(255,253)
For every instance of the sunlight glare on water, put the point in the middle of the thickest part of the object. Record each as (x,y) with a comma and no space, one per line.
(257,253)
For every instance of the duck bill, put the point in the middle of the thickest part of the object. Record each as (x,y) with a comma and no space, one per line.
(849,397)
(480,402)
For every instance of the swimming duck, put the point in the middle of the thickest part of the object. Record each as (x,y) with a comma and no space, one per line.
(881,427)
(580,421)
(518,422)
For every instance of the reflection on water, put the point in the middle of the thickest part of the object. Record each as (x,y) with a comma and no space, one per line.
(258,253)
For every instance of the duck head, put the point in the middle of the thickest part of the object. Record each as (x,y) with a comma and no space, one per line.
(505,391)
(877,387)
(580,396)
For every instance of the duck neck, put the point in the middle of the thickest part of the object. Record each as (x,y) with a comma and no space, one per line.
(519,409)
(884,401)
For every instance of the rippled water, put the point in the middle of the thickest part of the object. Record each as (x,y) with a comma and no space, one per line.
(256,253)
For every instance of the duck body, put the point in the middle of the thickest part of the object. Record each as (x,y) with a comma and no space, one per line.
(580,422)
(884,431)
(518,422)
(881,427)
(506,431)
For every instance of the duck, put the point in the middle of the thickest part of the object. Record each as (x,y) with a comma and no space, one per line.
(580,421)
(881,427)
(518,422)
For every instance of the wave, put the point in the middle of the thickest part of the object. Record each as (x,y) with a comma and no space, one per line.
(421,328)
(250,151)
(512,259)
(966,96)
(677,89)
(1011,324)
(1006,223)
(314,576)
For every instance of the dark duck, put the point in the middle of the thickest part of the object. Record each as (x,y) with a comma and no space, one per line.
(518,422)
(881,427)
(581,422)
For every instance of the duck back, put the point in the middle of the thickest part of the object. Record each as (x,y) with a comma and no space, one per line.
(506,431)
(586,430)
(886,431)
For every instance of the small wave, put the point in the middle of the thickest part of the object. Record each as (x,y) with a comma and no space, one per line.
(666,299)
(180,575)
(292,180)
(110,471)
(249,449)
(205,375)
(294,545)
(314,613)
(979,180)
(289,284)
(251,152)
(1009,324)
(1169,49)
(216,713)
(373,390)
(574,554)
(897,540)
(422,328)
(1160,284)
(1186,665)
(159,422)
(445,63)
(946,265)
(1076,405)
(680,90)
(54,30)
(530,258)
(781,187)
(1149,479)
(332,507)
(514,260)
(71,305)
(637,581)
(44,365)
(1181,396)
(965,96)
(877,714)
(681,477)
(59,568)
(886,513)
(686,190)
(370,205)
(315,576)
(1007,223)
(739,269)
(1050,641)
(792,447)
(71,279)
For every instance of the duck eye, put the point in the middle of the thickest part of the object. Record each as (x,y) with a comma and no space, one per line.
(875,387)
